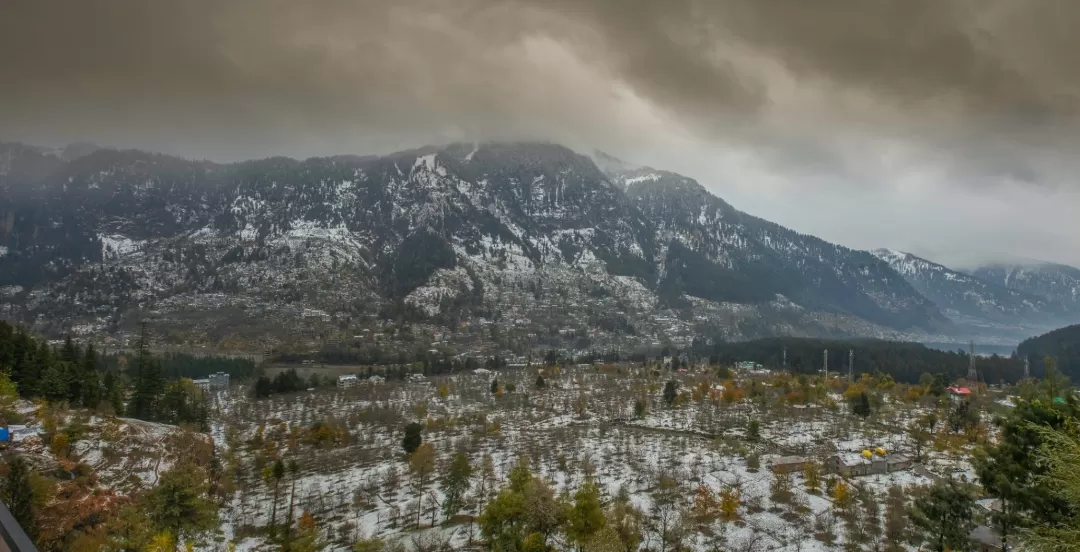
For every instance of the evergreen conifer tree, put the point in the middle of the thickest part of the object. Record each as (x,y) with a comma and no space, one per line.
(114,393)
(19,495)
(91,381)
(149,383)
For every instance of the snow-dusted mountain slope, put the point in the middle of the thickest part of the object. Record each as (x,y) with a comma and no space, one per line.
(434,232)
(1059,283)
(963,295)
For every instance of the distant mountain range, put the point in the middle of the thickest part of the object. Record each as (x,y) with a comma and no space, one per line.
(979,297)
(90,237)
(1058,283)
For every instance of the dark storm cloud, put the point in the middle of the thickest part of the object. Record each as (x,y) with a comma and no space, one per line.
(756,98)
(948,66)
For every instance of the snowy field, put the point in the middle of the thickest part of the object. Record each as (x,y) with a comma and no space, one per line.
(581,424)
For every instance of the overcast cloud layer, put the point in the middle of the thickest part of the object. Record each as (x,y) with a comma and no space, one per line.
(947,128)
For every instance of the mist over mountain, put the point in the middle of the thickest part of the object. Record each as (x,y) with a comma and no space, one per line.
(985,304)
(444,234)
(1059,283)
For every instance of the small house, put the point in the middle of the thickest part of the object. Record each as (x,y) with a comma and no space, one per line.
(859,464)
(897,462)
(855,464)
(788,464)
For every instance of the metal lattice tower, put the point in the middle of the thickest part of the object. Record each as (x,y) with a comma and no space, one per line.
(826,364)
(783,355)
(972,374)
(851,365)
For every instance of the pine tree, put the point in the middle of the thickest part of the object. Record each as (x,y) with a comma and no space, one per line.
(70,357)
(149,383)
(753,431)
(179,503)
(860,406)
(41,359)
(55,381)
(671,392)
(22,364)
(114,391)
(945,514)
(19,495)
(1060,455)
(586,516)
(91,380)
(413,437)
(69,352)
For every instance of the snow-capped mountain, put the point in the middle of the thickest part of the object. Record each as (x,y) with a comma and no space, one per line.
(1059,283)
(434,233)
(963,296)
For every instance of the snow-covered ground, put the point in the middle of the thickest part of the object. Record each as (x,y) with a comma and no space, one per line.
(581,423)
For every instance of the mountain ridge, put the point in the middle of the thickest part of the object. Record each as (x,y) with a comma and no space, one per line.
(967,294)
(1055,281)
(443,232)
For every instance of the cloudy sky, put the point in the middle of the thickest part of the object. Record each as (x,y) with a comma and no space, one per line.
(947,128)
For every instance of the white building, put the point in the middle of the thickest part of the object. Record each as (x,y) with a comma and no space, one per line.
(347,382)
(219,380)
(202,384)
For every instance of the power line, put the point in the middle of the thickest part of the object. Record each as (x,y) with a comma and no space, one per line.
(972,375)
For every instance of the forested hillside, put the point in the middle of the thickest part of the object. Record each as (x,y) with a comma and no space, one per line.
(144,387)
(1062,344)
(905,362)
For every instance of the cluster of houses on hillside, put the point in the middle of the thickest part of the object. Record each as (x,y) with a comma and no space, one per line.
(351,380)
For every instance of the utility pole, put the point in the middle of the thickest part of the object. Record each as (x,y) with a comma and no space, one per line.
(972,376)
(826,365)
(783,356)
(851,365)
(1027,367)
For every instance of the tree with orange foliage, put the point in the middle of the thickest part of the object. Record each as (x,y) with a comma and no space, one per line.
(706,507)
(702,391)
(854,390)
(732,392)
(308,539)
